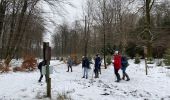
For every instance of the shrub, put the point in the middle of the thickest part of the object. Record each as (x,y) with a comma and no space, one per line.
(167,57)
(63,96)
(1,66)
(108,60)
(137,59)
(90,58)
(16,69)
(4,69)
(29,63)
(150,60)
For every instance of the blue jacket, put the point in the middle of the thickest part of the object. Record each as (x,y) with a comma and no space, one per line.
(85,63)
(124,62)
(97,62)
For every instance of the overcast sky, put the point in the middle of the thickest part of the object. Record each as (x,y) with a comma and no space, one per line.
(71,14)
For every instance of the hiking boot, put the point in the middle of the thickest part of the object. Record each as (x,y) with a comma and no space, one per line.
(83,77)
(117,81)
(123,78)
(127,77)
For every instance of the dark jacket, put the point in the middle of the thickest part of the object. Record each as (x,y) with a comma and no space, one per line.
(97,62)
(124,62)
(86,63)
(83,62)
(42,63)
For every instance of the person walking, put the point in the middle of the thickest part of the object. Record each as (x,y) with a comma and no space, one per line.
(42,63)
(69,64)
(86,66)
(96,66)
(117,65)
(100,65)
(124,63)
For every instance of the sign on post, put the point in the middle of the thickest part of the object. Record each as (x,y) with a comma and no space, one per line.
(44,68)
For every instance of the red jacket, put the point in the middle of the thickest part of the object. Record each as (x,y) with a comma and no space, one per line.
(117,62)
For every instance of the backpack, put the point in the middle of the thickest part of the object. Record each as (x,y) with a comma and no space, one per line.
(41,64)
(124,62)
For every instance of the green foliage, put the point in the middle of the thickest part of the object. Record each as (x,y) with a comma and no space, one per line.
(137,59)
(150,60)
(167,57)
(109,60)
(109,49)
(132,49)
(89,58)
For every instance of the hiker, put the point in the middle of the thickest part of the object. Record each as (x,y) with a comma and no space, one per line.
(96,66)
(69,64)
(42,63)
(100,65)
(124,63)
(117,65)
(85,66)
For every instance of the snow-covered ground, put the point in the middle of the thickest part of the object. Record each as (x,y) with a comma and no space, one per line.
(25,86)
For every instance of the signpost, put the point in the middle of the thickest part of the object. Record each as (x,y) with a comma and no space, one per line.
(145,53)
(47,58)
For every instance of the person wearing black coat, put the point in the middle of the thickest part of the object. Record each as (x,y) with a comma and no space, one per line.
(124,63)
(97,66)
(42,63)
(100,66)
(85,66)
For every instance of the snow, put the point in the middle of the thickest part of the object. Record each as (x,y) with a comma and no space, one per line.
(25,86)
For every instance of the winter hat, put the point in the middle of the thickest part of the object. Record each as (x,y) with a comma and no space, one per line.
(116,52)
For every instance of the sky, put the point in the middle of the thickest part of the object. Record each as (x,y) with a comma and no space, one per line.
(70,15)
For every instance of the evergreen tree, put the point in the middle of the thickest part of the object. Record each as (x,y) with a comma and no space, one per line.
(167,57)
(137,59)
(109,60)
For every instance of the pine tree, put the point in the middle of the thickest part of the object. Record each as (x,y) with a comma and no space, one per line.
(137,59)
(109,60)
(167,57)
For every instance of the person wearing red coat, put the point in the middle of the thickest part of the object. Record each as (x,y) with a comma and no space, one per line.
(117,64)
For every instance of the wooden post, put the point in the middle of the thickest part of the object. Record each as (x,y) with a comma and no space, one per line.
(85,30)
(104,33)
(146,66)
(47,58)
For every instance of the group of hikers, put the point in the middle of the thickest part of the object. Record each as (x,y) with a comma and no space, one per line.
(119,62)
(86,65)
